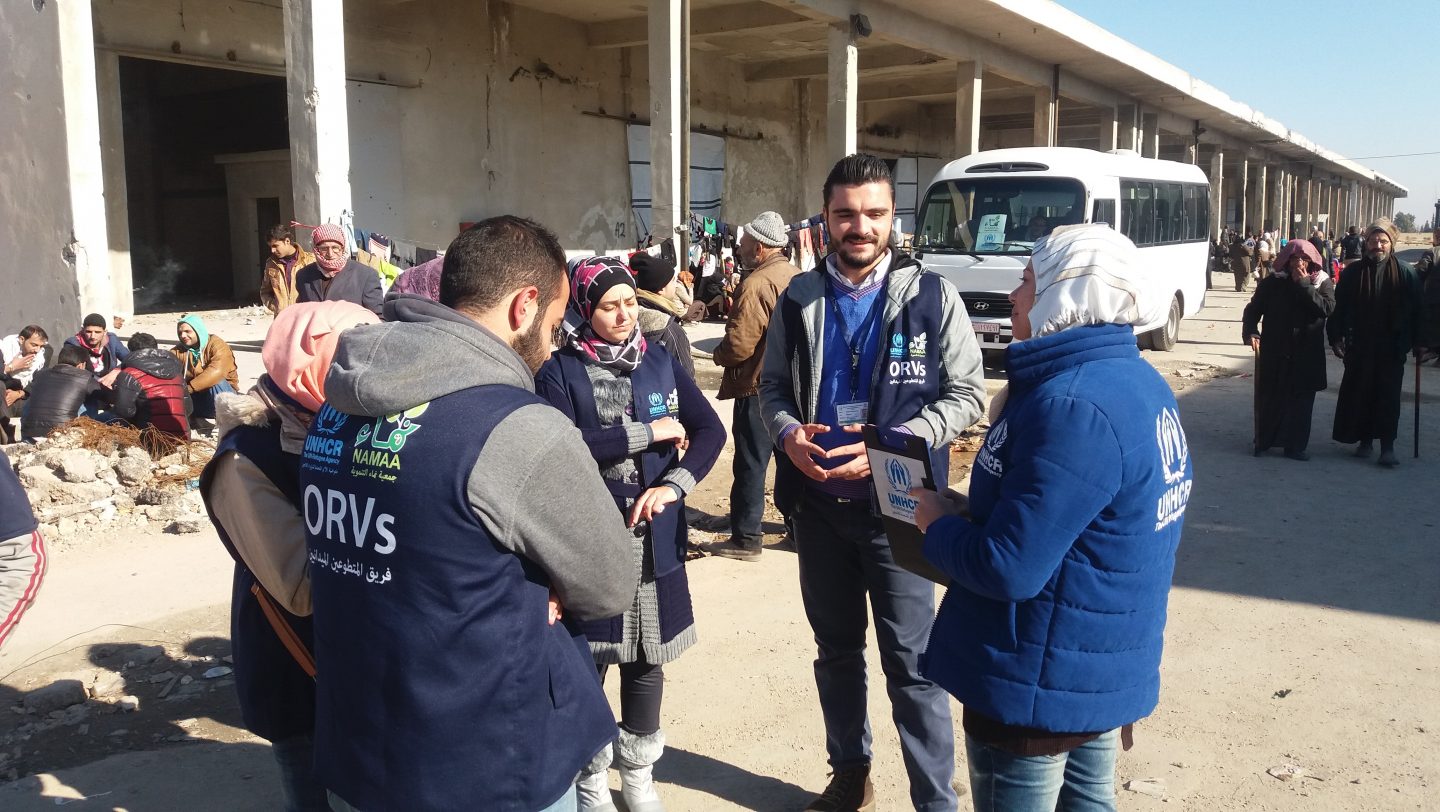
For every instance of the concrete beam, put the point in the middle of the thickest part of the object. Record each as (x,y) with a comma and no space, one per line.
(704,22)
(900,89)
(89,246)
(887,57)
(970,88)
(898,25)
(667,207)
(842,93)
(319,121)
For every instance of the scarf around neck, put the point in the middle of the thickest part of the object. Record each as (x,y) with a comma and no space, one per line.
(202,337)
(590,279)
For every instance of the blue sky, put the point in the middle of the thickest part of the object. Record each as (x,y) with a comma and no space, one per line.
(1310,65)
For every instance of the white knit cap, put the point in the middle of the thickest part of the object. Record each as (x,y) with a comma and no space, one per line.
(768,229)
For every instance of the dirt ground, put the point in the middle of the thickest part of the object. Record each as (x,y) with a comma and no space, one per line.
(1304,631)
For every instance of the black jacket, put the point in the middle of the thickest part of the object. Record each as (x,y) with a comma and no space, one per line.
(129,397)
(660,327)
(354,283)
(56,395)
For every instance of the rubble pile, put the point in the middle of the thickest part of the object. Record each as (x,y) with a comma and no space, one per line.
(81,480)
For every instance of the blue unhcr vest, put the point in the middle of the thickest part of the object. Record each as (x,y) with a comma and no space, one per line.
(441,686)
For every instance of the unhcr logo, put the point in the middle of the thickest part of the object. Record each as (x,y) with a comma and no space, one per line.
(897,346)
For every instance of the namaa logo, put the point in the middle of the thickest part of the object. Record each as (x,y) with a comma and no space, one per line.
(395,428)
(1174,450)
(898,475)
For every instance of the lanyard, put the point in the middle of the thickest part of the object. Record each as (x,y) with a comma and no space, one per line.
(852,340)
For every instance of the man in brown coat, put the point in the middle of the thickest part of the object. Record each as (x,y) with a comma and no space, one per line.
(741,353)
(277,287)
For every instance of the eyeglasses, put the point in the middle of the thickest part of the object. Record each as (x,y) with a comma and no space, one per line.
(329,249)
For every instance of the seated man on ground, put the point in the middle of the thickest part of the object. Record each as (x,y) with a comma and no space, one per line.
(209,368)
(104,352)
(22,355)
(57,393)
(150,390)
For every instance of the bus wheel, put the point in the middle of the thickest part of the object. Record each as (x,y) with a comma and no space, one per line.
(1164,338)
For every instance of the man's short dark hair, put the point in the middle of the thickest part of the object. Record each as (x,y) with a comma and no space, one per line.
(857,170)
(497,257)
(34,330)
(142,341)
(280,231)
(70,355)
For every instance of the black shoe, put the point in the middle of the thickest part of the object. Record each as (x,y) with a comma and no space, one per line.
(735,550)
(1301,456)
(849,791)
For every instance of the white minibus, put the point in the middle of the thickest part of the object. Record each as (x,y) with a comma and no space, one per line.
(982,214)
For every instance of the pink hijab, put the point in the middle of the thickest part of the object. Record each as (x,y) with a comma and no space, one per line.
(301,343)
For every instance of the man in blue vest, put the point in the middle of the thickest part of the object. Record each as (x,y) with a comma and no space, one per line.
(440,495)
(868,337)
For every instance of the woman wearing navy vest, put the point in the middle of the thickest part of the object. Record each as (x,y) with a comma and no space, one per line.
(252,493)
(1051,630)
(637,409)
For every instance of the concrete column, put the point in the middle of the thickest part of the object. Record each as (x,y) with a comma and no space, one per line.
(1277,201)
(112,158)
(1352,205)
(1309,224)
(1150,125)
(1241,194)
(319,123)
(1257,208)
(1217,193)
(1129,136)
(969,83)
(1109,130)
(667,209)
(89,248)
(1044,119)
(842,93)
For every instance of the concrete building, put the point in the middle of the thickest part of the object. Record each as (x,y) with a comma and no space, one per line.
(150,143)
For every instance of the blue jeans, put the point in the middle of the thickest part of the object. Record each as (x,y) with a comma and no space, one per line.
(203,400)
(753,449)
(567,803)
(296,759)
(844,556)
(1082,780)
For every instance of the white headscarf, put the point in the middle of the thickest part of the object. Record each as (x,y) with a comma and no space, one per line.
(1092,274)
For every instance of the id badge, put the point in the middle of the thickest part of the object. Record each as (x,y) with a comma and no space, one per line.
(856,411)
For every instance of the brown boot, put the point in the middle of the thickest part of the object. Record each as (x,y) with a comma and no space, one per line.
(849,791)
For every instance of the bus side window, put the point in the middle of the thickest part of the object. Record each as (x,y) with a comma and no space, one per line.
(1104,212)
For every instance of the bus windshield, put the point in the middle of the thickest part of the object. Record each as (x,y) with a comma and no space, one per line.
(996,215)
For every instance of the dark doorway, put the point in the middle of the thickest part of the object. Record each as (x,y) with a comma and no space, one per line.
(177,119)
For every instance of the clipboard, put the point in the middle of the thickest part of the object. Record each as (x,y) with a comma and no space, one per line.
(899,462)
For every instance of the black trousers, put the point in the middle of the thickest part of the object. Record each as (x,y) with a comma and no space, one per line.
(642,686)
(753,450)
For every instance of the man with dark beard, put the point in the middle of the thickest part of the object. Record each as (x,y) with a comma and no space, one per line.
(868,337)
(1377,323)
(440,495)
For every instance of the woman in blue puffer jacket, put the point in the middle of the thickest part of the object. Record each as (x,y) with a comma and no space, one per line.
(1051,630)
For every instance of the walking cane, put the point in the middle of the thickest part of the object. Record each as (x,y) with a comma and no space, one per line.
(1417,407)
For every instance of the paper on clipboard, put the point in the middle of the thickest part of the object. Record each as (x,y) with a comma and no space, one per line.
(899,474)
(900,462)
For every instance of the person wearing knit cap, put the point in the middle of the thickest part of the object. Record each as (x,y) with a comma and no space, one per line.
(1376,325)
(335,277)
(656,281)
(740,352)
(106,349)
(250,492)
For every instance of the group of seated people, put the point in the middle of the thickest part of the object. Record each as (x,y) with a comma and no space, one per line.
(97,376)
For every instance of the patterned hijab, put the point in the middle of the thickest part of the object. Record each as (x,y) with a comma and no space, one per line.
(590,280)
